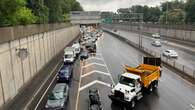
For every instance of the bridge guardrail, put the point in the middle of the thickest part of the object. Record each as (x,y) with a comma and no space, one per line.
(174,64)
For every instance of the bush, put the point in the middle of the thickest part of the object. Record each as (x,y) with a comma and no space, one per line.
(24,16)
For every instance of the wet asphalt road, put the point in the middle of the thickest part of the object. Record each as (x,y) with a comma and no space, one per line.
(174,93)
(185,57)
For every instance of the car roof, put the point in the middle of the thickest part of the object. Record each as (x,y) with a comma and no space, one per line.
(65,67)
(131,75)
(59,87)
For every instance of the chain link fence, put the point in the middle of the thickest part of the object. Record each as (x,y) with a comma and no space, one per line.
(174,64)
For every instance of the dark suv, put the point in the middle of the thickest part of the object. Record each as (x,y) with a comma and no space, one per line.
(65,73)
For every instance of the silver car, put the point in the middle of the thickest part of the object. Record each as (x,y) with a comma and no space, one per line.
(170,53)
(156,43)
(58,98)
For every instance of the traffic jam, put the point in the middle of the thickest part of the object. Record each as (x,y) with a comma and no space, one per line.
(81,49)
(96,85)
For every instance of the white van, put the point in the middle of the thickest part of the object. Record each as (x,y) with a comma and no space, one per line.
(76,47)
(69,55)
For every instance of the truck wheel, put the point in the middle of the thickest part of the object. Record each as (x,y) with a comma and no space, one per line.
(151,88)
(156,84)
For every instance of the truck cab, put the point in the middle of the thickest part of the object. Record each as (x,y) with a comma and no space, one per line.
(135,80)
(127,89)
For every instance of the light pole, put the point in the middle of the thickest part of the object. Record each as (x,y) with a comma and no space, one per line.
(167,7)
(140,28)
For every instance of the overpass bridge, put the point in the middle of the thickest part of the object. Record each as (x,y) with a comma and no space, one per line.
(85,17)
(31,56)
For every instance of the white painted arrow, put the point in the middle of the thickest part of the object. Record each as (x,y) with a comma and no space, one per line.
(92,83)
(94,64)
(95,71)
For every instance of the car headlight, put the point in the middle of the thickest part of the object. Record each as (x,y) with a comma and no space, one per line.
(46,106)
(61,105)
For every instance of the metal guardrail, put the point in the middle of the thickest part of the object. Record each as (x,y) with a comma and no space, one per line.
(174,64)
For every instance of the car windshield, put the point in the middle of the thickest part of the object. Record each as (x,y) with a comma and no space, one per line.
(68,56)
(56,95)
(64,71)
(127,81)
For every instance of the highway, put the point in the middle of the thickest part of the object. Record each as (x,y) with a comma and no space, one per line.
(174,93)
(101,70)
(185,57)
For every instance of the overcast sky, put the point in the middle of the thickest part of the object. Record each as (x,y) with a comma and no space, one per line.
(113,5)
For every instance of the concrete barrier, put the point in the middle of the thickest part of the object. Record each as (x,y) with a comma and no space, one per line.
(23,54)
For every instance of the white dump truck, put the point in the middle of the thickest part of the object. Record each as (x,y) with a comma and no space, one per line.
(135,81)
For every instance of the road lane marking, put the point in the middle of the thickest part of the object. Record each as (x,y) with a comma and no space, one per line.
(92,83)
(78,93)
(26,107)
(96,58)
(47,89)
(93,64)
(95,71)
(108,70)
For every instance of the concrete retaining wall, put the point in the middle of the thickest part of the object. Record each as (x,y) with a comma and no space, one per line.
(41,46)
(188,35)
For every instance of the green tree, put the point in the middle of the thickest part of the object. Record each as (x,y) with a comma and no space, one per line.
(59,9)
(150,14)
(173,17)
(39,9)
(172,5)
(190,14)
(11,13)
(24,16)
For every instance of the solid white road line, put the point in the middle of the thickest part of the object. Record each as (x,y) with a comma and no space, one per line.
(92,83)
(93,64)
(47,88)
(27,105)
(78,93)
(108,71)
(95,71)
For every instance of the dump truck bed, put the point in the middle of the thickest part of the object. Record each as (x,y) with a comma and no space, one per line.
(148,73)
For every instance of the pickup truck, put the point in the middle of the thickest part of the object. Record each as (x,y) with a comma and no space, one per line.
(135,81)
